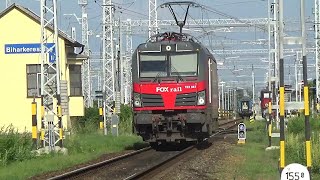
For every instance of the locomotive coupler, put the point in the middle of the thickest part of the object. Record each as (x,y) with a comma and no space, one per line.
(169,124)
(155,125)
(182,123)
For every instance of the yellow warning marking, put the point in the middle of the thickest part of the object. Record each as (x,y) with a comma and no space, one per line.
(34,132)
(60,133)
(34,108)
(270,109)
(281,101)
(308,152)
(282,158)
(306,100)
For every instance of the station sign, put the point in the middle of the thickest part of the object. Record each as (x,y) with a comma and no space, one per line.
(295,171)
(31,48)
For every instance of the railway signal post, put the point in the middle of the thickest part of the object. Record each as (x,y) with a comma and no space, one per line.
(305,87)
(281,74)
(270,123)
(242,133)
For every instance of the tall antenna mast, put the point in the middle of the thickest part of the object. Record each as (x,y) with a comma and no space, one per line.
(86,64)
(153,18)
(50,76)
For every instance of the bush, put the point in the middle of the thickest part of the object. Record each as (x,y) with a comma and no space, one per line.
(295,150)
(297,125)
(14,146)
(126,118)
(89,122)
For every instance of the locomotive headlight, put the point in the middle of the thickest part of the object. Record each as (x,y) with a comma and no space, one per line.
(201,98)
(137,100)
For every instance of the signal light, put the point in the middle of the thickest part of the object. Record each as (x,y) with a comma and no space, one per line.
(241,133)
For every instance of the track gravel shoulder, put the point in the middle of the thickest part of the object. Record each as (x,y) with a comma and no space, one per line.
(99,159)
(215,162)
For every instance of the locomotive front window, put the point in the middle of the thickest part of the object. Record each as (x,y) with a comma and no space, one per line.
(184,64)
(151,66)
(245,105)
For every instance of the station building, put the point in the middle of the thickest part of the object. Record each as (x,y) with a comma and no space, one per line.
(20,59)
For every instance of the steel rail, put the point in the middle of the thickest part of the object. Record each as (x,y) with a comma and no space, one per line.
(149,170)
(97,165)
(115,159)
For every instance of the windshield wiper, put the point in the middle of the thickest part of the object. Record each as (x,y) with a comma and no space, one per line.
(178,74)
(157,76)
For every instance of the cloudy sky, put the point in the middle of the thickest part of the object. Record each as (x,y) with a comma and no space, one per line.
(236,68)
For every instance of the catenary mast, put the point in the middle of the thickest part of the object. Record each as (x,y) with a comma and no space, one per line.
(51,111)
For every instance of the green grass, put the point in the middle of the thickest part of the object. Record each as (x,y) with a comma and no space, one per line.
(81,148)
(87,142)
(14,146)
(256,163)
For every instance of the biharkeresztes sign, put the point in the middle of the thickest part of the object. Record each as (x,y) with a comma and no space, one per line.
(30,49)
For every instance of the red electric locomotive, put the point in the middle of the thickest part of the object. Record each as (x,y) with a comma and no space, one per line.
(175,89)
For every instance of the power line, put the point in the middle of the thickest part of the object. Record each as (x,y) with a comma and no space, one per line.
(210,9)
(126,9)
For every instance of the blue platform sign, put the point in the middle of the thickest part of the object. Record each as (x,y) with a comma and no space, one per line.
(30,49)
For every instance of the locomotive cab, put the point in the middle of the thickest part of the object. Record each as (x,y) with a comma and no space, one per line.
(245,107)
(175,90)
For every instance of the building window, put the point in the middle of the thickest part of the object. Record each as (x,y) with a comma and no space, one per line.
(34,80)
(75,80)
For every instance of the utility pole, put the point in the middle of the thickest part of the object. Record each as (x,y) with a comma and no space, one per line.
(275,94)
(153,18)
(51,133)
(317,34)
(219,99)
(253,89)
(223,100)
(269,120)
(296,74)
(108,59)
(235,103)
(269,45)
(86,63)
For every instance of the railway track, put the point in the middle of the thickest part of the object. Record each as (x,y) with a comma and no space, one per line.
(141,164)
(153,171)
